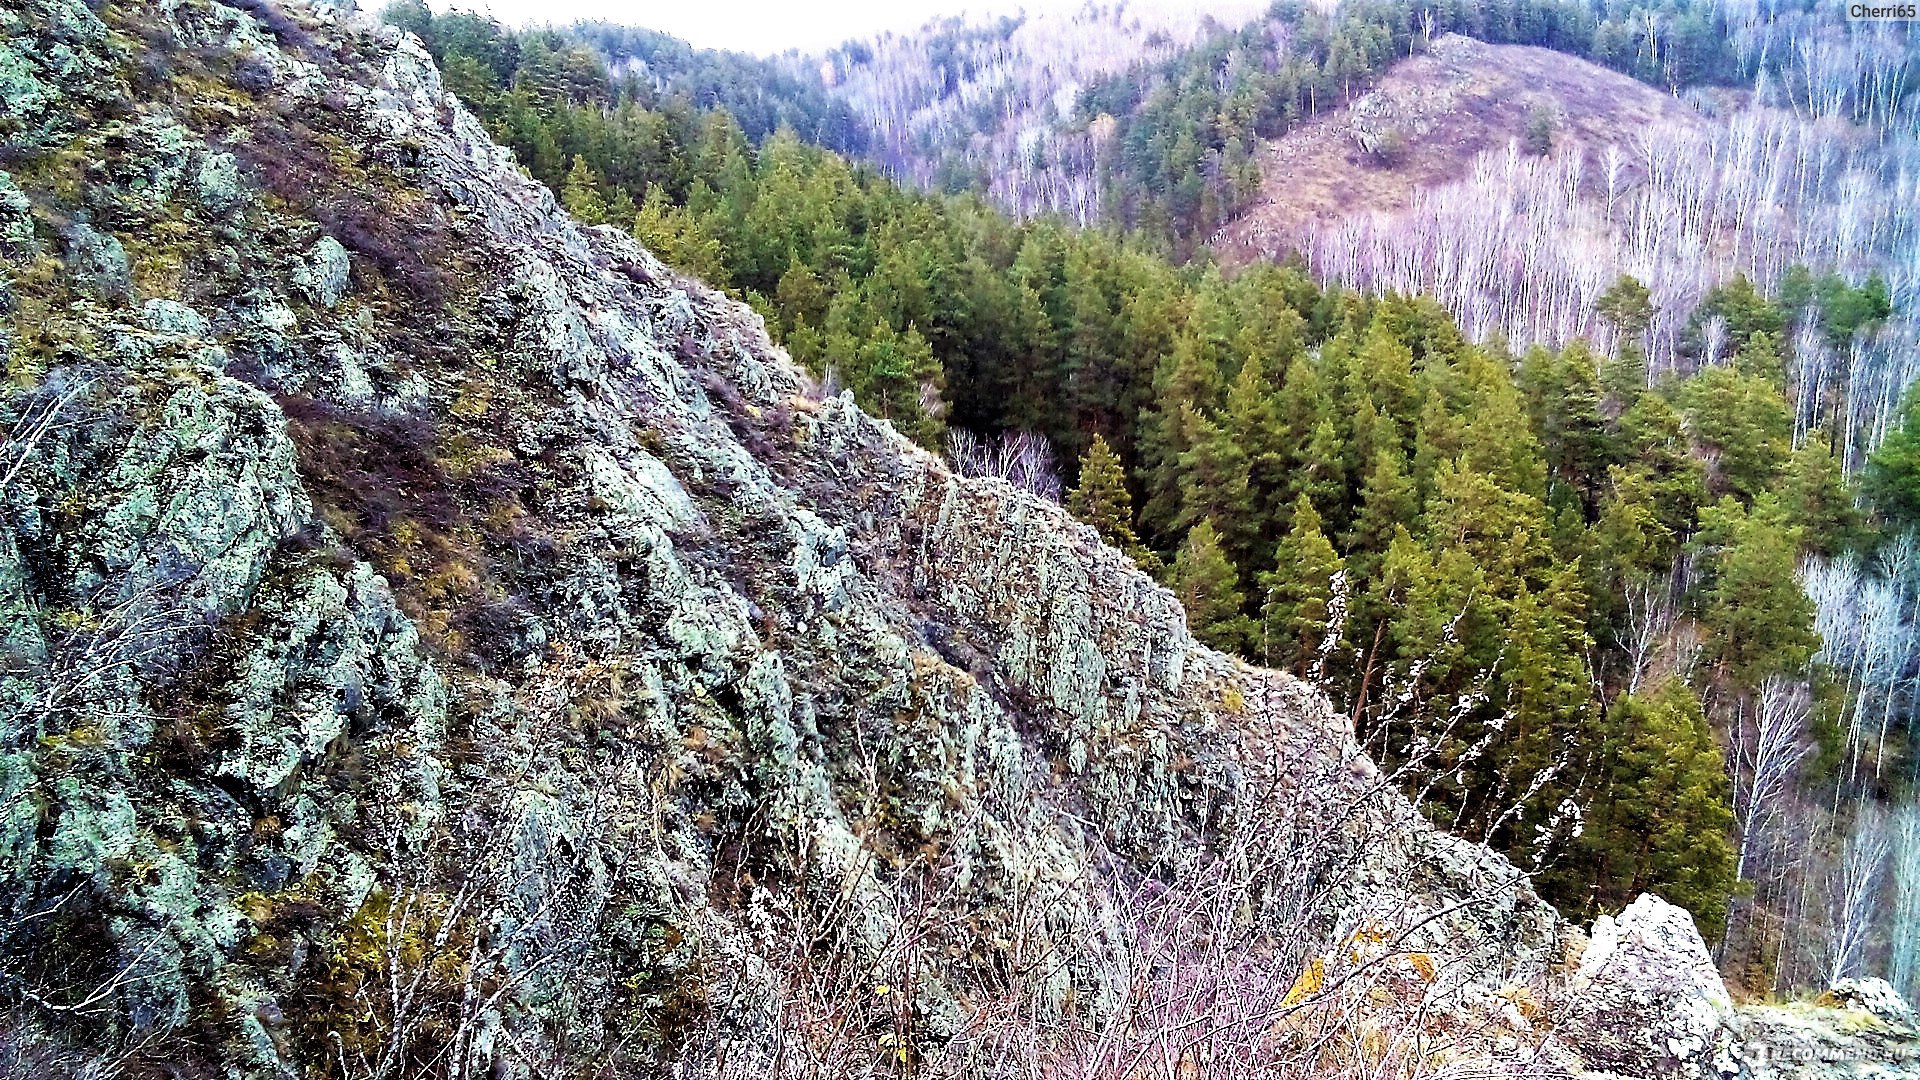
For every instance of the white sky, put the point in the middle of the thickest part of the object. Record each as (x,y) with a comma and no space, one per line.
(757,26)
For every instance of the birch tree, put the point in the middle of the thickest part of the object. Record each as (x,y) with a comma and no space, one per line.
(1853,892)
(1903,923)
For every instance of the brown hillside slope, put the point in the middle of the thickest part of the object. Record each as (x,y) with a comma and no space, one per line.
(1446,105)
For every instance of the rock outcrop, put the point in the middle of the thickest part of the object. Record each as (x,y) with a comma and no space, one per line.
(1647,997)
(440,639)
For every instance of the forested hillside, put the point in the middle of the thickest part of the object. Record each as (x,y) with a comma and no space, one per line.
(1807,163)
(990,105)
(1136,132)
(1522,237)
(1657,627)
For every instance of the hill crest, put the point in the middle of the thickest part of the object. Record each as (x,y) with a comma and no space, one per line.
(1444,107)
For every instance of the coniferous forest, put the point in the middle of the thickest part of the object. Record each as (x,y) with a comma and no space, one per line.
(1643,622)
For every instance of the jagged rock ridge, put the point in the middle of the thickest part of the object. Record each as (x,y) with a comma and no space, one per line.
(441,640)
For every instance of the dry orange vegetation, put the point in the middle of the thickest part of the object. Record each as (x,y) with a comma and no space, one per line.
(1447,105)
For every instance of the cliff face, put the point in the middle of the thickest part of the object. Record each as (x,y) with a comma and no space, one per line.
(439,639)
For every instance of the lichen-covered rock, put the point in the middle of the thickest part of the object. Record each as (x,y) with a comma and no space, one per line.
(217,182)
(170,317)
(1876,996)
(1838,1037)
(519,622)
(55,64)
(1647,999)
(98,262)
(143,164)
(16,221)
(332,653)
(322,275)
(181,487)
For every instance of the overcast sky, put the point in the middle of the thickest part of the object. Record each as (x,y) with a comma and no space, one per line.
(757,26)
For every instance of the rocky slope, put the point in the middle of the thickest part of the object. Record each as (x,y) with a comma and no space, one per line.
(440,640)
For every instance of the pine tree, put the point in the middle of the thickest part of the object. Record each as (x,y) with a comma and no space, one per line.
(1564,398)
(1324,478)
(1745,310)
(1662,815)
(1189,381)
(1370,430)
(1627,548)
(621,209)
(1387,501)
(1656,442)
(1214,485)
(892,375)
(1893,472)
(1814,494)
(1207,585)
(1494,432)
(802,296)
(1547,689)
(1748,595)
(1761,358)
(1302,404)
(1294,620)
(1381,371)
(1539,134)
(1628,307)
(1100,498)
(580,194)
(1253,421)
(676,236)
(1742,421)
(1623,378)
(1437,437)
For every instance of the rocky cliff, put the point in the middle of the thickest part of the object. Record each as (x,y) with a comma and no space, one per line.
(441,640)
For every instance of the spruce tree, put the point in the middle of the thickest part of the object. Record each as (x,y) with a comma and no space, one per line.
(1814,494)
(1748,595)
(1208,587)
(1100,498)
(580,194)
(1294,619)
(1661,816)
